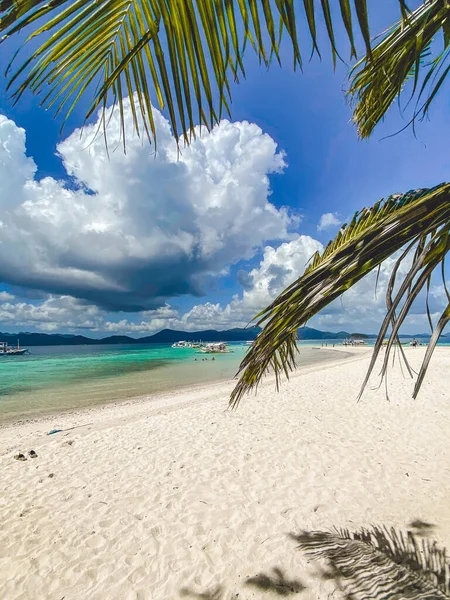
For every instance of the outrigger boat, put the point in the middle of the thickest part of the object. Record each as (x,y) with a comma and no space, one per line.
(181,344)
(6,350)
(354,342)
(184,344)
(215,348)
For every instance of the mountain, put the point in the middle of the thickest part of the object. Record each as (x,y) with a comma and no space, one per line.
(308,333)
(166,336)
(209,335)
(169,336)
(45,339)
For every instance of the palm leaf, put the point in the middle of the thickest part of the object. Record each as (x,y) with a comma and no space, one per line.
(420,217)
(404,54)
(180,55)
(381,563)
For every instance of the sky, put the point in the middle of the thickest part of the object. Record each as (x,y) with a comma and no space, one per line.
(130,244)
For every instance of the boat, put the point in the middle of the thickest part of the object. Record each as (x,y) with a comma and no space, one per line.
(249,342)
(215,348)
(184,344)
(354,342)
(6,350)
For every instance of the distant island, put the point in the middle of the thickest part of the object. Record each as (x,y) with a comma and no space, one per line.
(169,336)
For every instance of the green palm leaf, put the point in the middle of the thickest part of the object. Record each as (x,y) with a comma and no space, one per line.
(420,217)
(402,55)
(180,55)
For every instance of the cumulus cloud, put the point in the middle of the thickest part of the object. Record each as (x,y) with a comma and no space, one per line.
(138,230)
(141,227)
(5,297)
(66,313)
(278,268)
(53,314)
(361,308)
(328,221)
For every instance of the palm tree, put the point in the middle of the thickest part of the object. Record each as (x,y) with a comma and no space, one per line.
(183,54)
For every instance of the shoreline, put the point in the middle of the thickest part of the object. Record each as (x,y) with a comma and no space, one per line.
(151,405)
(182,498)
(190,388)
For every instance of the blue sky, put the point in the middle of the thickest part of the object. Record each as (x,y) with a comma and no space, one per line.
(327,170)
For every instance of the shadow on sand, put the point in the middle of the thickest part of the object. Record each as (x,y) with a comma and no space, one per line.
(370,564)
(217,593)
(273,582)
(380,563)
(276,582)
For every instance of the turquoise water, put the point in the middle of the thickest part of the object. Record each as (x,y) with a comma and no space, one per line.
(57,378)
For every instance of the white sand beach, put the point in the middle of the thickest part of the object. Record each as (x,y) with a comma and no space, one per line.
(177,497)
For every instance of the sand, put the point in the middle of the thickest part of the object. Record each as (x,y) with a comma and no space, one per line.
(176,497)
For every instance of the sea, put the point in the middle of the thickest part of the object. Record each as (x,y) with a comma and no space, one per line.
(53,379)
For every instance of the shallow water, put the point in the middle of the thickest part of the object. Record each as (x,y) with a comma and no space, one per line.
(57,378)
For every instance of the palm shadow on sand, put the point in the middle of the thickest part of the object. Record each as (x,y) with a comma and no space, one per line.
(216,593)
(275,581)
(370,564)
(380,563)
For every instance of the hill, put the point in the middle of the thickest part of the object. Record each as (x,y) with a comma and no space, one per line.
(169,336)
(166,336)
(207,335)
(308,333)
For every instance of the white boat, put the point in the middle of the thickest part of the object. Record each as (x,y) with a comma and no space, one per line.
(6,350)
(215,348)
(249,343)
(354,342)
(181,344)
(184,344)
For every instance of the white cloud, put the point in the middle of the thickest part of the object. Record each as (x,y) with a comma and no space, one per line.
(278,268)
(5,297)
(328,220)
(53,314)
(65,313)
(363,306)
(142,227)
(439,293)
(359,309)
(150,321)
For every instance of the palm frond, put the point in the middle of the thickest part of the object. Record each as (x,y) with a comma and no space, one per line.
(381,563)
(180,55)
(420,217)
(431,251)
(405,53)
